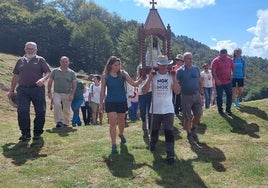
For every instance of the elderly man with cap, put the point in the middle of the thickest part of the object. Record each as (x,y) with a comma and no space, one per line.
(222,67)
(163,83)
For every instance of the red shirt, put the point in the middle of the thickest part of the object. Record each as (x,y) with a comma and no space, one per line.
(223,69)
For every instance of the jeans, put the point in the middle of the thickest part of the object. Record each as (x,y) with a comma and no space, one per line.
(133,111)
(36,95)
(75,105)
(144,104)
(208,93)
(228,91)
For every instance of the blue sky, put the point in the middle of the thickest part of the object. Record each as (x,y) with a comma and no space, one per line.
(217,23)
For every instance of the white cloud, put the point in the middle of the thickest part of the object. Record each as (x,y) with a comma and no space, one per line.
(176,4)
(258,46)
(227,44)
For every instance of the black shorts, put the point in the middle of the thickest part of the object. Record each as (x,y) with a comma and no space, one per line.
(238,82)
(118,107)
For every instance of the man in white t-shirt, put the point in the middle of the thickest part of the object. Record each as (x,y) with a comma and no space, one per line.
(94,100)
(162,109)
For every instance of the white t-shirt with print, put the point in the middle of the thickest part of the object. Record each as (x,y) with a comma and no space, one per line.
(162,94)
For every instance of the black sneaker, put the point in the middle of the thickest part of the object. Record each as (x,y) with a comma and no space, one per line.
(37,137)
(25,137)
(221,112)
(190,139)
(229,112)
(170,160)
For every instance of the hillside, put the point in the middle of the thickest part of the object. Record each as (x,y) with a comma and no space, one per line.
(234,152)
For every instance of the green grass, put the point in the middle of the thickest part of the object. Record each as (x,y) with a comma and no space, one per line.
(235,153)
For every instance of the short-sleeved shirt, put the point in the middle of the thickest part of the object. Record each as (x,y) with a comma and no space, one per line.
(63,80)
(207,79)
(30,72)
(78,94)
(223,69)
(95,93)
(240,65)
(162,94)
(189,79)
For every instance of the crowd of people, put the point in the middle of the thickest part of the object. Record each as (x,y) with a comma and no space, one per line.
(155,97)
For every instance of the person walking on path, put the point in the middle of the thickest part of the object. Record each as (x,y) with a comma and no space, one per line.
(30,73)
(77,102)
(191,93)
(114,78)
(85,107)
(239,76)
(206,75)
(222,67)
(164,83)
(64,80)
(94,100)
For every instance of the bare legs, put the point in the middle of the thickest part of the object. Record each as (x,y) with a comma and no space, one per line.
(114,119)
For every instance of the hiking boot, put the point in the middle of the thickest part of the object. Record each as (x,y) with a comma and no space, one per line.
(25,137)
(123,139)
(114,149)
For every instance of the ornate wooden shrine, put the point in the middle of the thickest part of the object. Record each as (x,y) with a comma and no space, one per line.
(154,30)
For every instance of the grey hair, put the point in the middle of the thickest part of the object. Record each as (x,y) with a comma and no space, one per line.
(187,53)
(30,43)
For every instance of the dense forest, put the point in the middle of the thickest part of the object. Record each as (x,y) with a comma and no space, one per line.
(88,34)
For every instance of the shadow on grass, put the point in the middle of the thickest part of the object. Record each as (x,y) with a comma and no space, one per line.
(240,126)
(63,131)
(253,110)
(181,174)
(21,152)
(122,164)
(210,155)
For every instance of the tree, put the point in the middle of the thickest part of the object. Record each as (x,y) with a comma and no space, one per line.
(14,22)
(30,5)
(51,30)
(93,44)
(128,48)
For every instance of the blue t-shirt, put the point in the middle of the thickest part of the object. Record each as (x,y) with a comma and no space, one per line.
(240,64)
(116,89)
(189,79)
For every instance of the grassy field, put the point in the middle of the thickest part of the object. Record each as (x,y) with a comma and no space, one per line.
(235,153)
